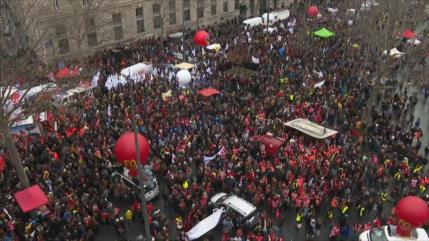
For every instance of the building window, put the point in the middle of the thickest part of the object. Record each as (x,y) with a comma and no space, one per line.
(200,8)
(213,7)
(237,4)
(56,4)
(117,18)
(92,39)
(90,24)
(186,4)
(91,32)
(63,45)
(186,11)
(140,20)
(118,33)
(63,41)
(172,11)
(117,26)
(157,21)
(225,6)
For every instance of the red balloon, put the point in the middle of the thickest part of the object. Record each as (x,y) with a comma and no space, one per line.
(312,11)
(125,150)
(411,212)
(201,37)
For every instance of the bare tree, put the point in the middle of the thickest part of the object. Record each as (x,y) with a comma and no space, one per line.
(84,21)
(199,6)
(161,12)
(20,62)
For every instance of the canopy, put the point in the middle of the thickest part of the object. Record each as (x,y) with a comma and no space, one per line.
(215,47)
(205,225)
(176,35)
(136,71)
(67,73)
(408,34)
(184,65)
(31,198)
(310,128)
(208,92)
(394,53)
(324,33)
(252,22)
(272,144)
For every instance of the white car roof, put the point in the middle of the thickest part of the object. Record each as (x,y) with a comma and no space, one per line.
(239,205)
(217,196)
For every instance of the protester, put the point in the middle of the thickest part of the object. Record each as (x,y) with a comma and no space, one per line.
(302,178)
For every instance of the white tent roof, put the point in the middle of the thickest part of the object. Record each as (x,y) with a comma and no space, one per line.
(394,52)
(136,69)
(310,128)
(253,21)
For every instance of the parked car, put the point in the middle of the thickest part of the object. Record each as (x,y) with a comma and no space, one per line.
(388,233)
(241,211)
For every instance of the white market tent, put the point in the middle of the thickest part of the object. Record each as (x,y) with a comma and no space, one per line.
(310,128)
(184,65)
(394,53)
(135,72)
(214,47)
(176,35)
(252,22)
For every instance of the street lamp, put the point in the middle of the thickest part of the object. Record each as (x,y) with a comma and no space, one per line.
(183,30)
(139,164)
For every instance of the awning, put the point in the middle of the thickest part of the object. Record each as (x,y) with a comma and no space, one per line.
(31,198)
(214,47)
(184,65)
(272,144)
(310,128)
(208,92)
(67,73)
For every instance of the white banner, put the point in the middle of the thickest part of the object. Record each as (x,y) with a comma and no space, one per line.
(207,159)
(205,225)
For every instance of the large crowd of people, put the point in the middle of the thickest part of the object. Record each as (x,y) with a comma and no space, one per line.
(341,183)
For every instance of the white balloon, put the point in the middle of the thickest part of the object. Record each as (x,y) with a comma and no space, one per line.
(184,78)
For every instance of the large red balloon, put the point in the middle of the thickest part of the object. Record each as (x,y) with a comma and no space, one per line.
(125,150)
(200,38)
(312,11)
(411,212)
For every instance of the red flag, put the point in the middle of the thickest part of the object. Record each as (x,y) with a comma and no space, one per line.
(15,97)
(2,163)
(56,156)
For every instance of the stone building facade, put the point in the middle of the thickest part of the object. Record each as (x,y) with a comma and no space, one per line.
(64,28)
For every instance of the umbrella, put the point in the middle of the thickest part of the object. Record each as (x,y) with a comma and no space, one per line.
(408,34)
(208,92)
(31,198)
(324,33)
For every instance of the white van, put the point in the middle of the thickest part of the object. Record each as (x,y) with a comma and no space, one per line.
(275,17)
(388,233)
(242,212)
